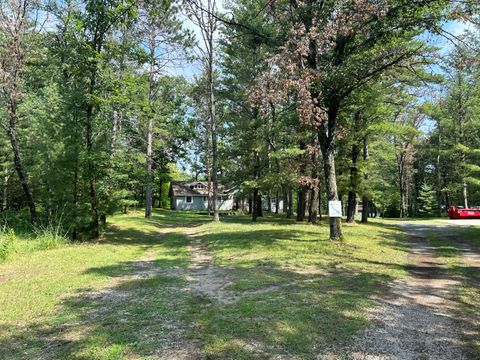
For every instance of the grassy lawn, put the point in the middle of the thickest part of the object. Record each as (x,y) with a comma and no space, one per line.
(127,296)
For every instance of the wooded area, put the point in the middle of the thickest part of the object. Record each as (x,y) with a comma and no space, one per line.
(371,102)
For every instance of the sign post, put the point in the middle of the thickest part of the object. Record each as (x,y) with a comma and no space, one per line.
(335,208)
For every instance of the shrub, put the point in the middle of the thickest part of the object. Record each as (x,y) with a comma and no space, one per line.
(7,242)
(51,236)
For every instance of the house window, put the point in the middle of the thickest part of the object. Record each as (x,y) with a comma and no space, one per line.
(204,198)
(189,199)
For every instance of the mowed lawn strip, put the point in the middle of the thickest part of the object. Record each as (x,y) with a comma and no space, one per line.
(297,292)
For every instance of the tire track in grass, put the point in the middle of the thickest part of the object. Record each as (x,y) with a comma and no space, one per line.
(416,319)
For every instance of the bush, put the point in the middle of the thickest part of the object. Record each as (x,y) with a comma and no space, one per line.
(7,242)
(51,236)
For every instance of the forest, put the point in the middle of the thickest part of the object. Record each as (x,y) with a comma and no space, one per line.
(103,103)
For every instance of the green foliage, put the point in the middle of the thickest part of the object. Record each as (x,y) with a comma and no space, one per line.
(7,242)
(51,236)
(427,203)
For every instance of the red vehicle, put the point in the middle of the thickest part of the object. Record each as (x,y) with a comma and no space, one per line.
(456,213)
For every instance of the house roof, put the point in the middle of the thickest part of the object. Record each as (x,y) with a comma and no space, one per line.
(192,188)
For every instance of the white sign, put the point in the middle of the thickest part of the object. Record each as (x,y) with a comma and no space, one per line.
(335,208)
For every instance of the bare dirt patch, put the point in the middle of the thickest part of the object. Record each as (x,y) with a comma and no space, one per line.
(207,279)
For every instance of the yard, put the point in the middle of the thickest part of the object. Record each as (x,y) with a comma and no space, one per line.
(177,286)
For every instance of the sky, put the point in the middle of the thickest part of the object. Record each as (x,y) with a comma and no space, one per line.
(190,70)
(455,28)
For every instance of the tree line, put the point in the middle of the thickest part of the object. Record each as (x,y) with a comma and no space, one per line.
(300,101)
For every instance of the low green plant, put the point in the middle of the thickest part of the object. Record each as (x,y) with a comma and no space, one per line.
(7,242)
(51,236)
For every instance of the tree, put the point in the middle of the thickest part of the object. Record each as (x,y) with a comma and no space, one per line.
(335,48)
(164,39)
(207,23)
(427,200)
(17,35)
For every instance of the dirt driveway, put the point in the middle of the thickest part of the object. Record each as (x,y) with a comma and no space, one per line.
(459,222)
(419,317)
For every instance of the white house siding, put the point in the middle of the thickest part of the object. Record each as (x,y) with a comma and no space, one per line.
(199,204)
(196,204)
(225,204)
(265,205)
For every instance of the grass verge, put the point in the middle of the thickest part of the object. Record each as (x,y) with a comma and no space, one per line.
(128,296)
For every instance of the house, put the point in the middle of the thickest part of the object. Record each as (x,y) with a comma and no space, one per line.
(273,204)
(193,195)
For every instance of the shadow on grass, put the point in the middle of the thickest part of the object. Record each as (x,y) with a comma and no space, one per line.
(160,316)
(157,314)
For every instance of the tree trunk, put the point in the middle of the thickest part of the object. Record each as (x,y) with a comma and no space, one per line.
(255,205)
(160,194)
(351,207)
(402,184)
(149,161)
(208,165)
(118,111)
(354,179)
(302,191)
(5,189)
(438,172)
(213,122)
(352,193)
(313,204)
(21,172)
(327,136)
(149,153)
(259,204)
(365,177)
(277,202)
(290,203)
(257,198)
(75,193)
(301,198)
(313,208)
(320,205)
(332,192)
(91,172)
(465,194)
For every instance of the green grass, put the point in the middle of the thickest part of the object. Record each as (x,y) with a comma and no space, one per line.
(297,291)
(322,288)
